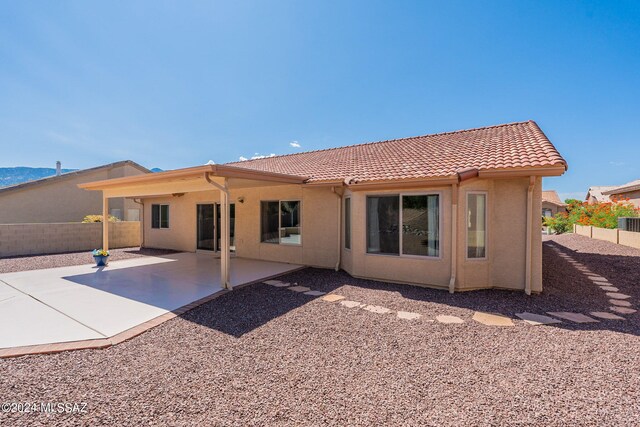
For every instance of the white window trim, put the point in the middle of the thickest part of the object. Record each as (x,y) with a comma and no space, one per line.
(400,195)
(344,223)
(160,227)
(486,226)
(280,222)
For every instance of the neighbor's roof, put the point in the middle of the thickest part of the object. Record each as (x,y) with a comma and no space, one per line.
(598,192)
(504,147)
(625,188)
(67,175)
(551,196)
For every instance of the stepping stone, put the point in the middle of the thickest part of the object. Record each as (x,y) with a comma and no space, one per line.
(492,319)
(407,315)
(609,288)
(332,298)
(537,319)
(574,317)
(449,319)
(620,303)
(315,293)
(299,289)
(282,285)
(351,304)
(616,295)
(605,315)
(622,310)
(272,282)
(377,309)
(598,278)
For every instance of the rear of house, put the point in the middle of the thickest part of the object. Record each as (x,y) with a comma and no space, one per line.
(457,211)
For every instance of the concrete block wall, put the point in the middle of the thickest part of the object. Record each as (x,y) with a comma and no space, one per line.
(626,238)
(33,239)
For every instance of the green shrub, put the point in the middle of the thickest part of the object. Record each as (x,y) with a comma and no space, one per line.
(98,218)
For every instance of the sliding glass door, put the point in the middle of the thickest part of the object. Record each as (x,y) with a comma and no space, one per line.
(209,227)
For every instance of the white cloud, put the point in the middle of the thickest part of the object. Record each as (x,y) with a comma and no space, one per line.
(612,163)
(210,162)
(294,144)
(242,158)
(261,156)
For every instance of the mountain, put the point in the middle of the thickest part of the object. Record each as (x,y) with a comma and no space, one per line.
(156,170)
(17,175)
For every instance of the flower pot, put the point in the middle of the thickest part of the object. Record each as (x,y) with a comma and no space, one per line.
(101,260)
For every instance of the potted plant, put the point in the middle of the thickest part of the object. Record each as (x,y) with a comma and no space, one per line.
(100,256)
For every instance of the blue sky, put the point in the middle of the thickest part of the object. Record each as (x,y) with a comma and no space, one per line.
(175,84)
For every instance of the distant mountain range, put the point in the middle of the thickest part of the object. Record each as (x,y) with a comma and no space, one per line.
(20,174)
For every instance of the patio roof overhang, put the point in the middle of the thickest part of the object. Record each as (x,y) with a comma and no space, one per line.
(189,180)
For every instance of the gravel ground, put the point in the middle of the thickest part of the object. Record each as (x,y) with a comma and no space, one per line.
(267,356)
(36,262)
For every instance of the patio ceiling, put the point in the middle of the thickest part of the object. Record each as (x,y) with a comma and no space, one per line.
(189,180)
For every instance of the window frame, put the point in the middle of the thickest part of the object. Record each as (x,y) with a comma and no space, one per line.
(160,205)
(486,226)
(344,225)
(279,201)
(400,221)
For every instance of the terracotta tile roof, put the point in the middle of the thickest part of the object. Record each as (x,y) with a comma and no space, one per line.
(513,145)
(552,197)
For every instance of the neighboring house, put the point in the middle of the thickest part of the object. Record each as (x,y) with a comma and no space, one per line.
(595,194)
(456,210)
(551,203)
(630,190)
(58,199)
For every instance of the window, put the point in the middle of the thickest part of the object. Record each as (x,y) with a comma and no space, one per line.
(280,222)
(413,229)
(159,216)
(476,225)
(347,223)
(117,213)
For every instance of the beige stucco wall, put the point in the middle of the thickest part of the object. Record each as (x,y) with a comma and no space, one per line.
(61,200)
(503,267)
(31,239)
(319,219)
(554,208)
(582,230)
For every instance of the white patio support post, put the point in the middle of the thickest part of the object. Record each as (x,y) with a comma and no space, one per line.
(225,237)
(105,222)
(225,233)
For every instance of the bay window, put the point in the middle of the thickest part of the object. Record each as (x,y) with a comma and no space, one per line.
(476,225)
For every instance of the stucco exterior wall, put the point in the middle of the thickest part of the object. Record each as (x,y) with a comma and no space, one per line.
(32,239)
(503,267)
(605,234)
(61,200)
(554,208)
(319,218)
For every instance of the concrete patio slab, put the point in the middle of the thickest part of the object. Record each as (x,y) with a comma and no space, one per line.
(84,302)
(537,319)
(574,317)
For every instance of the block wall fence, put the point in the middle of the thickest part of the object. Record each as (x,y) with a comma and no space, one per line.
(621,237)
(35,239)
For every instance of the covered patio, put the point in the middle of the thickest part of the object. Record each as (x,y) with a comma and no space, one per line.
(85,303)
(214,178)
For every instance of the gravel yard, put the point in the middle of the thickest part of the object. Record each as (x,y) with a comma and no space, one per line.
(262,355)
(36,262)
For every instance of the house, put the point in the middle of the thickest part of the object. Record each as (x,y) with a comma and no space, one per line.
(551,203)
(596,194)
(630,190)
(58,199)
(455,210)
